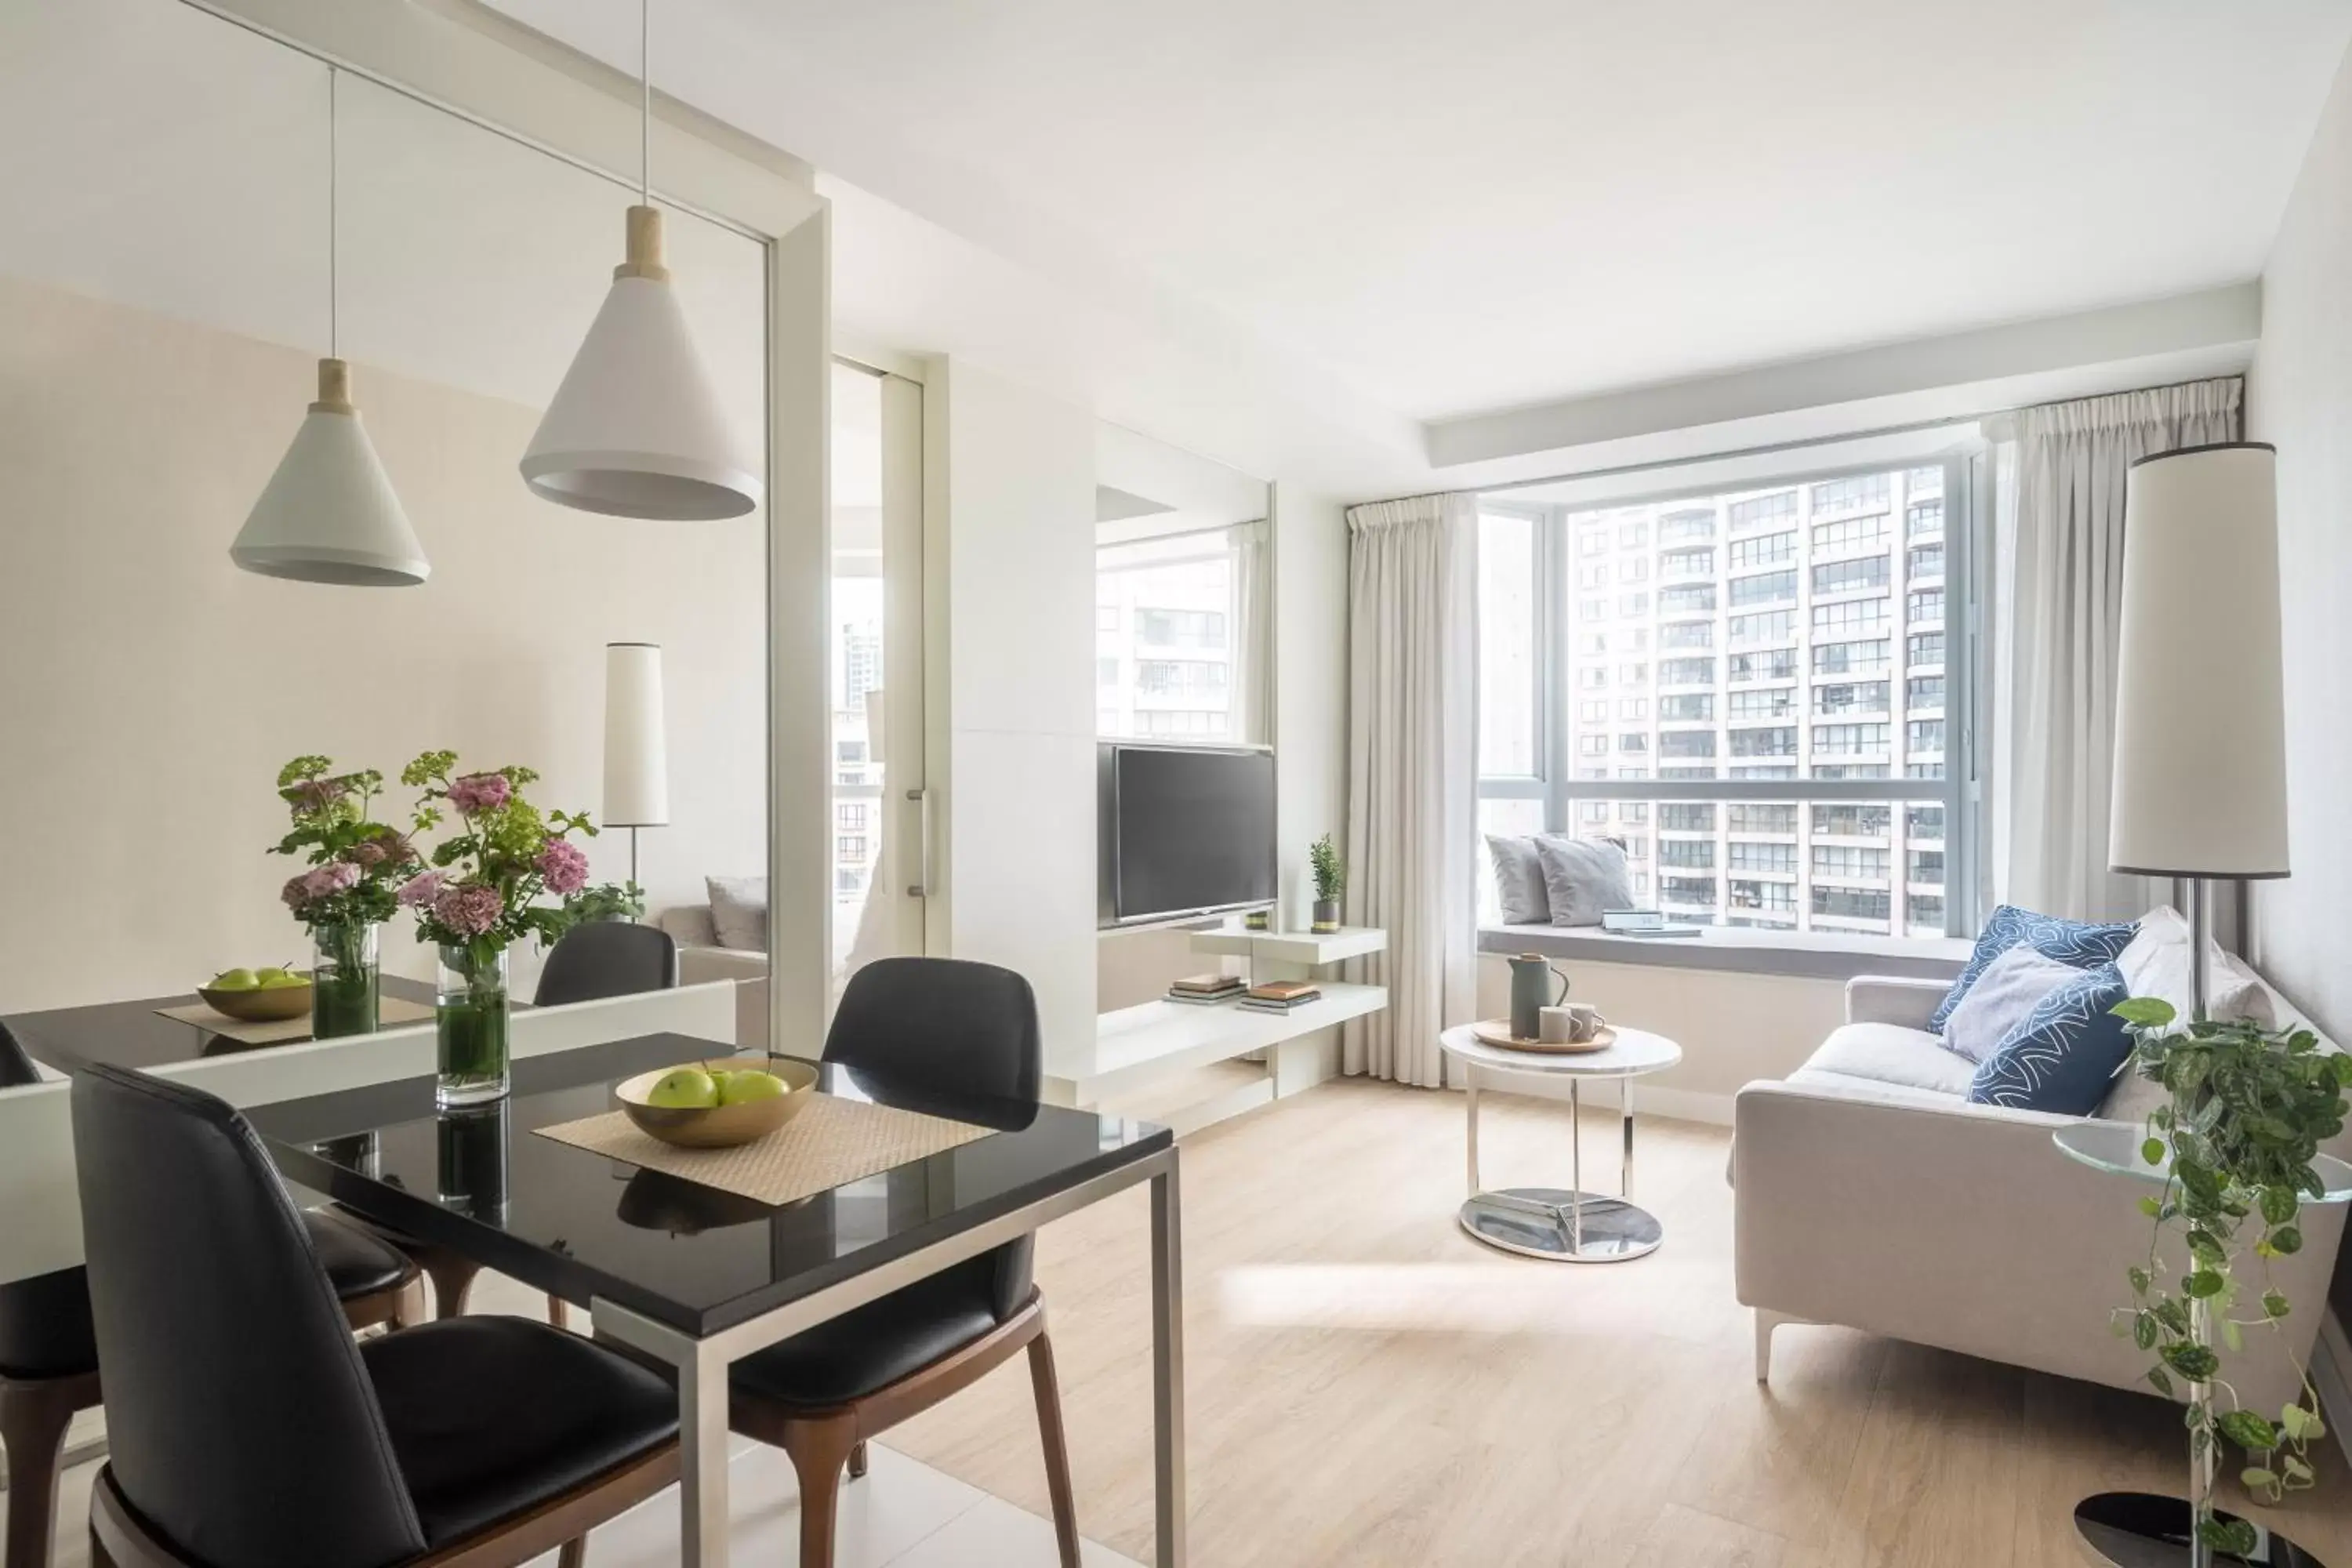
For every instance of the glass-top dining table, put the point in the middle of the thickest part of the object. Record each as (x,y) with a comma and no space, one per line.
(696,1277)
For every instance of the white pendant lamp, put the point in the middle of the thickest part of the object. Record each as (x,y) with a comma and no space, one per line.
(636,428)
(328,514)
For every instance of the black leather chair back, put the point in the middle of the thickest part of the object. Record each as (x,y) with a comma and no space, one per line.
(242,1424)
(606,958)
(945,1027)
(45,1320)
(16,1069)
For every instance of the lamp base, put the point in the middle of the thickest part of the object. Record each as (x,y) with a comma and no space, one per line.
(2145,1529)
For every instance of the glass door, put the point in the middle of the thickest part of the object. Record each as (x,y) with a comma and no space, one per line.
(880,869)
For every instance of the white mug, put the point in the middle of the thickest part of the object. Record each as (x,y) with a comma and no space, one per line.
(1570,1024)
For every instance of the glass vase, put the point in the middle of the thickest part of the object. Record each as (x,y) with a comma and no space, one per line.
(469,1016)
(344,981)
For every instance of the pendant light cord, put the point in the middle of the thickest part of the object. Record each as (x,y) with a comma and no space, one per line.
(646,103)
(334,214)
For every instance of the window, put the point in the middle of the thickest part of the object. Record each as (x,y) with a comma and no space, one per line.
(849,751)
(1748,855)
(1767,550)
(849,847)
(1925,606)
(1194,723)
(1922,519)
(850,816)
(1165,650)
(1777,663)
(1853,696)
(1772,625)
(1926,914)
(1844,576)
(1180,628)
(1848,617)
(1779,702)
(1784,752)
(1179,677)
(1854,534)
(1770,588)
(1107,671)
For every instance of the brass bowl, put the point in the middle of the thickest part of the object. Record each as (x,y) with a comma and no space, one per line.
(274,1005)
(718,1126)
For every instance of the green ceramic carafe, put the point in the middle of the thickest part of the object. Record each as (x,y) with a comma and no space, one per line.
(1532,992)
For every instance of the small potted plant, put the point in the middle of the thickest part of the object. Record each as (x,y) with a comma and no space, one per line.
(2237,1149)
(479,898)
(606,901)
(1330,881)
(356,866)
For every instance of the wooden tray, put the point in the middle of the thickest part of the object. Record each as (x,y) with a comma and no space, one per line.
(1496,1032)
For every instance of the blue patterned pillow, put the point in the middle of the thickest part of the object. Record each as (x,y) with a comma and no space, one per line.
(2063,1058)
(2071,943)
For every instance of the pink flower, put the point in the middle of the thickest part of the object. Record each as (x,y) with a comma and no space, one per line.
(386,849)
(297,891)
(476,793)
(319,882)
(470,908)
(562,866)
(419,890)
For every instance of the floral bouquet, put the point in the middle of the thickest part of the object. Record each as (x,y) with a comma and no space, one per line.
(357,864)
(479,897)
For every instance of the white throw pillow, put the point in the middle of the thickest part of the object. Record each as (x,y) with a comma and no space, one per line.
(738,911)
(2004,996)
(2156,963)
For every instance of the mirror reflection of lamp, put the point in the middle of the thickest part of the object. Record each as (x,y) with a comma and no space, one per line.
(637,751)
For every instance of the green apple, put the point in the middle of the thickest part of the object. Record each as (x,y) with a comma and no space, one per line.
(235,980)
(683,1089)
(280,979)
(754,1084)
(273,975)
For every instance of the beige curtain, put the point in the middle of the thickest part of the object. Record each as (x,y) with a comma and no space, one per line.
(1412,786)
(1253,621)
(2059,522)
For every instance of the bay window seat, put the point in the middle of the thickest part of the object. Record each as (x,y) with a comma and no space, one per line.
(1826,955)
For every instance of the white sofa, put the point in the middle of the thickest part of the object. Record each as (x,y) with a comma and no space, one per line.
(1869,1193)
(701,958)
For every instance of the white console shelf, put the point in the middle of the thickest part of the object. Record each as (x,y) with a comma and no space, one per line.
(1136,1046)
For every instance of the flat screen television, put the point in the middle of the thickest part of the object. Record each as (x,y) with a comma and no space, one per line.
(1183,830)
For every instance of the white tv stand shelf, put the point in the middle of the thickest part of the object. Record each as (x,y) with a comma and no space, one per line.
(1136,1046)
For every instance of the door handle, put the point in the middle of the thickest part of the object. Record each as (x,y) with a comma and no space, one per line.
(920,888)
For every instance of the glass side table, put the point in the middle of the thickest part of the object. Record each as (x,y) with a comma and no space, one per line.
(2147,1530)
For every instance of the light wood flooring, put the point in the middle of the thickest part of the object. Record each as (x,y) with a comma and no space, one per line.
(1368,1386)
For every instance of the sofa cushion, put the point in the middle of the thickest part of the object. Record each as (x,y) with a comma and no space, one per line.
(1583,877)
(2062,1058)
(1890,1053)
(1518,880)
(2156,963)
(2001,999)
(1846,1084)
(739,911)
(2071,943)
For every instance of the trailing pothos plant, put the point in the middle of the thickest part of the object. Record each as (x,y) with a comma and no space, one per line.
(2238,1139)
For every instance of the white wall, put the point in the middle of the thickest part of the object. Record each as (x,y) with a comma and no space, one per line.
(2299,396)
(149,690)
(1008,594)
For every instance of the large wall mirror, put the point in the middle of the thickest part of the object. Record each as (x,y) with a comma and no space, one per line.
(176,182)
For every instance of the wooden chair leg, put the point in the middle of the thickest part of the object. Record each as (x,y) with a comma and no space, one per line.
(1057,1449)
(413,1309)
(857,1463)
(555,1312)
(819,1450)
(452,1276)
(574,1553)
(33,1420)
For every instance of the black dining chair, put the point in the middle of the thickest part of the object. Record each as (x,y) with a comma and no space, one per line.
(606,958)
(248,1429)
(939,1031)
(48,1357)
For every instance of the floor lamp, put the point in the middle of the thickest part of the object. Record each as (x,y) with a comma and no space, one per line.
(2200,791)
(637,754)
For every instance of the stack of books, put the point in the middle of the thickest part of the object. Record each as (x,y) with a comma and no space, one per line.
(1206,989)
(1281,995)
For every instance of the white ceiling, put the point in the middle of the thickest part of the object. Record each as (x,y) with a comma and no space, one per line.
(1484,203)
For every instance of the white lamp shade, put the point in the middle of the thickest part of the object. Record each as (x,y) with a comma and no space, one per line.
(2201,722)
(636,428)
(328,514)
(637,755)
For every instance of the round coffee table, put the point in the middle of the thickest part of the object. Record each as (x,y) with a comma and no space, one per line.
(1566,1224)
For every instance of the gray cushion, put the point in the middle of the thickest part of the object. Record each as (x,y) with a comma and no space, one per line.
(1890,1055)
(739,911)
(1520,880)
(2004,995)
(1582,878)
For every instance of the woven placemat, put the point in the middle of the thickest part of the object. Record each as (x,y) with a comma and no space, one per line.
(831,1142)
(389,1011)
